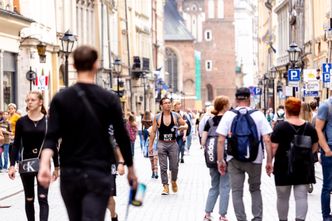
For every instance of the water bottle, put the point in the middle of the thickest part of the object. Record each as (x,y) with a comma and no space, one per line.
(137,195)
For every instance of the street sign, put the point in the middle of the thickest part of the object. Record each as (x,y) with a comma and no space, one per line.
(309,75)
(41,81)
(312,86)
(326,67)
(258,91)
(311,93)
(294,77)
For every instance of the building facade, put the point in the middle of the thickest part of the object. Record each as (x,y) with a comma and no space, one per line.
(246,40)
(211,23)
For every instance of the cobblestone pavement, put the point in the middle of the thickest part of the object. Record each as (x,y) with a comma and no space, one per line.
(186,205)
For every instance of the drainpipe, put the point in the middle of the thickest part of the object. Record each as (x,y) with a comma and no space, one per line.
(128,57)
(109,46)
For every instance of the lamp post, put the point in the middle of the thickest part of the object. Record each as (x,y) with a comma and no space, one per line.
(294,54)
(260,85)
(273,73)
(67,45)
(117,69)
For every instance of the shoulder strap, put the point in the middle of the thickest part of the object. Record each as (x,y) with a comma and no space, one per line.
(305,127)
(87,104)
(42,145)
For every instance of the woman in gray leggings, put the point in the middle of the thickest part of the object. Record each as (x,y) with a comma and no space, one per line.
(293,164)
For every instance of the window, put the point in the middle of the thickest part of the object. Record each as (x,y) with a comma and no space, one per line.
(85,22)
(220,8)
(9,78)
(209,90)
(172,69)
(208,35)
(210,8)
(208,65)
(283,31)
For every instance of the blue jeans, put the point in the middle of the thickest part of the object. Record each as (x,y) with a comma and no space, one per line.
(141,141)
(188,141)
(132,145)
(5,156)
(181,145)
(219,186)
(327,185)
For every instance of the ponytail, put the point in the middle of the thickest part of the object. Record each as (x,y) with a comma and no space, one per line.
(43,110)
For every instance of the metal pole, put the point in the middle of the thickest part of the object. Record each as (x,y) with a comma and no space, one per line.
(128,55)
(144,92)
(118,84)
(30,85)
(273,100)
(66,71)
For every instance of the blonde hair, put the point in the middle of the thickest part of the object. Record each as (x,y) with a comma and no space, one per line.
(306,112)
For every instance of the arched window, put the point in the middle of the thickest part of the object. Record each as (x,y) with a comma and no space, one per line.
(209,89)
(172,69)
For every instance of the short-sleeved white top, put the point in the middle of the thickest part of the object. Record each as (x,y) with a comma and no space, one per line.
(263,128)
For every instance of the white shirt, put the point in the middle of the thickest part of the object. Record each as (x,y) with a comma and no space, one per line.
(139,122)
(263,128)
(202,123)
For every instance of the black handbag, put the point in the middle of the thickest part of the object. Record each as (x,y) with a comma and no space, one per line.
(30,166)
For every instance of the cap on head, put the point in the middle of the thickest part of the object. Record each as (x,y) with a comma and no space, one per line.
(242,93)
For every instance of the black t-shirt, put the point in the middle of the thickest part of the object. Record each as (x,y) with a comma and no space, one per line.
(283,134)
(29,135)
(216,120)
(85,143)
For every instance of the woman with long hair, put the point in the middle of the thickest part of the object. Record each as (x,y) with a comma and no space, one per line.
(293,142)
(29,135)
(219,183)
(132,130)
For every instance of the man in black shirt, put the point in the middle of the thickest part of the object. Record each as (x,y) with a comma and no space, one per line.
(86,154)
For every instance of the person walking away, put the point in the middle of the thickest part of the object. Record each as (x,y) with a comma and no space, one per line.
(219,183)
(166,123)
(246,158)
(181,135)
(5,128)
(132,129)
(81,116)
(270,116)
(293,143)
(29,136)
(324,130)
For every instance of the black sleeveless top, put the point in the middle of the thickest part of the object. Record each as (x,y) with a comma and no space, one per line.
(167,133)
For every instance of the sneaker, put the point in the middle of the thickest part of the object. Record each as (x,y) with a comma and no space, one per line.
(156,175)
(153,175)
(223,218)
(207,218)
(181,161)
(165,190)
(174,186)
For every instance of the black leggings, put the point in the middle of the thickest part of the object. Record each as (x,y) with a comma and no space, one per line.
(28,182)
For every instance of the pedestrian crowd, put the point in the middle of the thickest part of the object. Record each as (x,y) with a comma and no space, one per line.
(89,141)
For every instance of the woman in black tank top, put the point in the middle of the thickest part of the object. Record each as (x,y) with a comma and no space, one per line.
(167,133)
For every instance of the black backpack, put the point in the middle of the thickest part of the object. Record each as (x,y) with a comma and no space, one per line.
(243,141)
(300,154)
(210,150)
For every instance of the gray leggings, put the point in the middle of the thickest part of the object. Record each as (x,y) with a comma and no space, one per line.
(301,201)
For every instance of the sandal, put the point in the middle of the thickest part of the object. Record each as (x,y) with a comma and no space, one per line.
(207,218)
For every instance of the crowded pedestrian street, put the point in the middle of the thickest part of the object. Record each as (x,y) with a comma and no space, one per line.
(185,205)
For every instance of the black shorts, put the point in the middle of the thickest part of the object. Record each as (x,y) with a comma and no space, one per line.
(113,185)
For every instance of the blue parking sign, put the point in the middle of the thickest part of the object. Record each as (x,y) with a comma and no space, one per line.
(326,67)
(258,91)
(294,77)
